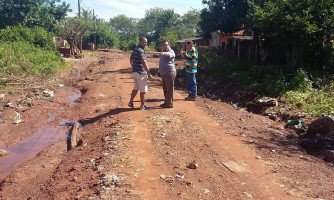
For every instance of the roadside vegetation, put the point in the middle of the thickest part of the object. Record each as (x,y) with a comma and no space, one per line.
(310,94)
(26,39)
(300,65)
(28,51)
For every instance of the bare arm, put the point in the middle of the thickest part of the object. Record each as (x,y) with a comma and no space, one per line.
(167,54)
(147,69)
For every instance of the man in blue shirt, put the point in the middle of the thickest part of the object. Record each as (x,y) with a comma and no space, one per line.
(140,73)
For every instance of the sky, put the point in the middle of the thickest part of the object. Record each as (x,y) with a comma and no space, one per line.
(107,9)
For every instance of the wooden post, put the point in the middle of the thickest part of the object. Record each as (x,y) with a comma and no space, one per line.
(73,136)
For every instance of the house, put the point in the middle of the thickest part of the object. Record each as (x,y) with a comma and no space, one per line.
(200,43)
(235,45)
(60,42)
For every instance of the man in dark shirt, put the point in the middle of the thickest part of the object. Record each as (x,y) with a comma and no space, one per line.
(140,73)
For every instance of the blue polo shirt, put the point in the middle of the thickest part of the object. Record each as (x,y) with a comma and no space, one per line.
(137,56)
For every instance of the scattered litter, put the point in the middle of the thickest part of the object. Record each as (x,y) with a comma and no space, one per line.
(236,105)
(3,152)
(297,123)
(188,183)
(206,191)
(115,179)
(2,96)
(48,93)
(61,85)
(168,179)
(17,118)
(268,101)
(9,104)
(250,196)
(192,165)
(163,135)
(179,175)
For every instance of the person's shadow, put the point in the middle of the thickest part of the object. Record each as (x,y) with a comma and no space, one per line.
(115,111)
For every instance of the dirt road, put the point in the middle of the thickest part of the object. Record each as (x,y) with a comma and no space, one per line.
(197,150)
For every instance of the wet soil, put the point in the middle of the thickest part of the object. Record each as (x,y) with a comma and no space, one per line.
(128,153)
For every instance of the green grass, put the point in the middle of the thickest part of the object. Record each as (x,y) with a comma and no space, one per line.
(315,103)
(20,58)
(89,52)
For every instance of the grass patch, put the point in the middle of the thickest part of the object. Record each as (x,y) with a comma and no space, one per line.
(315,103)
(21,58)
(89,52)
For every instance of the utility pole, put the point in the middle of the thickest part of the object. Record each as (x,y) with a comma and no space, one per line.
(79,1)
(95,47)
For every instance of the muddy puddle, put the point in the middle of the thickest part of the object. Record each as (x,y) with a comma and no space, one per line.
(38,141)
(29,148)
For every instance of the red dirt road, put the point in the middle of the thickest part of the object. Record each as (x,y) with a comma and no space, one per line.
(127,153)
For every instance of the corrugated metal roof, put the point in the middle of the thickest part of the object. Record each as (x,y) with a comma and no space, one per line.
(243,37)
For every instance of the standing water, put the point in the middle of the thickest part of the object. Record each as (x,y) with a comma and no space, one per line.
(29,148)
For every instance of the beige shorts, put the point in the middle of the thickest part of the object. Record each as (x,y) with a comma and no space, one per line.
(140,82)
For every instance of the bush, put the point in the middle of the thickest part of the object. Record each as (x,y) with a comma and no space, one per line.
(36,36)
(21,58)
(301,82)
(274,80)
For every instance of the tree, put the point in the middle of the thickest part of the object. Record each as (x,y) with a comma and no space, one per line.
(156,21)
(226,15)
(169,35)
(126,29)
(188,25)
(72,29)
(87,14)
(105,36)
(32,13)
(302,28)
(124,26)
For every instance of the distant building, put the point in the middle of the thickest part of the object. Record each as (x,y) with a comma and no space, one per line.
(60,42)
(234,46)
(200,43)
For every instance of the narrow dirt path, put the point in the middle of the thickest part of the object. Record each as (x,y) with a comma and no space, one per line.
(197,150)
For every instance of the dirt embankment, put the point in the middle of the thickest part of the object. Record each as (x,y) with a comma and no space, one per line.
(198,150)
